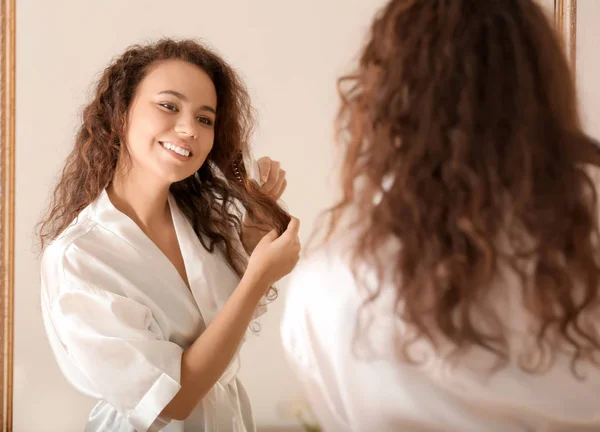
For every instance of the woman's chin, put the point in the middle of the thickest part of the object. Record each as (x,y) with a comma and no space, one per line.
(176,175)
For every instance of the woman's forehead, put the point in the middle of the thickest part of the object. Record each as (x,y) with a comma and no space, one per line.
(180,79)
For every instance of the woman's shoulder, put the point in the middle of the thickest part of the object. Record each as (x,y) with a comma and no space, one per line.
(321,293)
(329,285)
(71,251)
(77,229)
(322,264)
(324,275)
(334,260)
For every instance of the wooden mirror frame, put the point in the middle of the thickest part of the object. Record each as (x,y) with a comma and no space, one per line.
(7,206)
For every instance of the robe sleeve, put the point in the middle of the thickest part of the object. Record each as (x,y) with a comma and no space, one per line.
(116,342)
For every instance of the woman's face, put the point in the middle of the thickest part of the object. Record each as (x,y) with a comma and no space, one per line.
(170,124)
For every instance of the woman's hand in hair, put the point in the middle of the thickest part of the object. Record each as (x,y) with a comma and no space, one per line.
(270,180)
(275,256)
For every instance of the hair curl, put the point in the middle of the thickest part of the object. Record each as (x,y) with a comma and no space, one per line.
(468,109)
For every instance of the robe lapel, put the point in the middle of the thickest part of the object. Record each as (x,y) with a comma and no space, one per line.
(111,218)
(211,281)
(211,278)
(195,264)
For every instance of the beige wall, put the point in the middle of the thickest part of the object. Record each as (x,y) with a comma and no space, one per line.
(588,63)
(290,54)
(548,5)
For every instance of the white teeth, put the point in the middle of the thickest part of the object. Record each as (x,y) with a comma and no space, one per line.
(176,149)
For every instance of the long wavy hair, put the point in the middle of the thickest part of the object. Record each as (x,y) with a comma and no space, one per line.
(462,143)
(213,198)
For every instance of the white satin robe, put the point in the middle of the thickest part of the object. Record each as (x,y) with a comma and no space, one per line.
(119,316)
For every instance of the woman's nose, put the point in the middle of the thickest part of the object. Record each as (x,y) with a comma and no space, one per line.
(186,127)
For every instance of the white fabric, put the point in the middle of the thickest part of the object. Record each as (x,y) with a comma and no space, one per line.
(350,391)
(119,316)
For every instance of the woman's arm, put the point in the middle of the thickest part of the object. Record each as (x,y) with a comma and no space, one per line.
(206,359)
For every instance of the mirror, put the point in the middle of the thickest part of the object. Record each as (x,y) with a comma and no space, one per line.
(290,60)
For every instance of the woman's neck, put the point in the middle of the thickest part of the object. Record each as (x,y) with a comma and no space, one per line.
(144,201)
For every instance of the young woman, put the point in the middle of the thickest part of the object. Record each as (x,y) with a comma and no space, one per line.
(458,289)
(147,288)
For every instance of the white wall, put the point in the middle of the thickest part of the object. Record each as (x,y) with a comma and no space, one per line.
(290,54)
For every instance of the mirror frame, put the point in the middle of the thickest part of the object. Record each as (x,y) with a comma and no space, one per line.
(7,206)
(565,19)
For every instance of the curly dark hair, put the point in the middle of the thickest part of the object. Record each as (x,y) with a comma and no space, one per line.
(212,199)
(468,109)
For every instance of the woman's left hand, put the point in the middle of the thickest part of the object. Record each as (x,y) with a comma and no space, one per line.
(272,183)
(272,177)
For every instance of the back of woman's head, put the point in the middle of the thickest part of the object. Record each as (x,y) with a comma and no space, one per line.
(210,197)
(467,109)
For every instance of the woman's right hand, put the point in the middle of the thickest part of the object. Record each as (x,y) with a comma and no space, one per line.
(275,256)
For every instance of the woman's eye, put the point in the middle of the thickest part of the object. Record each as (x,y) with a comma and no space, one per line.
(205,120)
(168,106)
